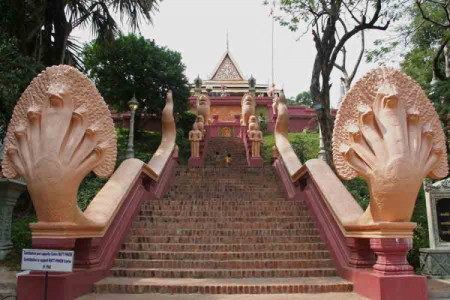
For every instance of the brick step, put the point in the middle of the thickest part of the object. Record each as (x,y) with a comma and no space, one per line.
(186,247)
(223,232)
(293,212)
(224,264)
(221,273)
(223,206)
(224,239)
(234,179)
(170,255)
(228,177)
(242,193)
(225,226)
(228,194)
(223,203)
(223,286)
(226,204)
(293,296)
(218,197)
(223,220)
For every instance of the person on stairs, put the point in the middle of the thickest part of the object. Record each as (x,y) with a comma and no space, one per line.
(228,160)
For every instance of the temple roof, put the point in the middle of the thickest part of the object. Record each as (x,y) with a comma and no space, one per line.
(227,69)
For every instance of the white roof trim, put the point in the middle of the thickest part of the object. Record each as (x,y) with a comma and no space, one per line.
(220,63)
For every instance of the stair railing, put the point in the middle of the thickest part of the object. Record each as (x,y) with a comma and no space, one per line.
(68,133)
(369,248)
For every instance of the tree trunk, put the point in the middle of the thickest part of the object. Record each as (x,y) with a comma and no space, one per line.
(58,28)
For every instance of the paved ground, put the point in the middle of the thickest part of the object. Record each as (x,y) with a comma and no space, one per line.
(7,283)
(439,288)
(328,296)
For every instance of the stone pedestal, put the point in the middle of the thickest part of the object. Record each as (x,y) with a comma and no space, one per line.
(391,255)
(435,262)
(10,190)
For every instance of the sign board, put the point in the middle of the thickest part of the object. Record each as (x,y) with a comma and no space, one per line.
(443,218)
(47,260)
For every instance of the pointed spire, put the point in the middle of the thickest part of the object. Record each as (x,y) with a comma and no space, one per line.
(228,43)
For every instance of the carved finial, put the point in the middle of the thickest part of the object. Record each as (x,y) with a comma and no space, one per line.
(61,130)
(388,132)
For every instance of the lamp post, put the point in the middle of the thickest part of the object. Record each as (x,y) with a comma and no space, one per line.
(133,105)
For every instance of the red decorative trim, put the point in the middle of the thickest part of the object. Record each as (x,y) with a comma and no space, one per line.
(93,257)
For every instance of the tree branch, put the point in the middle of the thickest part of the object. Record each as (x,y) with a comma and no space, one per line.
(436,71)
(425,17)
(358,62)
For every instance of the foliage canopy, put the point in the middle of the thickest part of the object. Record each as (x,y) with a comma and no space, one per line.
(133,65)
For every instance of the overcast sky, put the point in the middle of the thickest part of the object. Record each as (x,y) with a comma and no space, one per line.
(198,28)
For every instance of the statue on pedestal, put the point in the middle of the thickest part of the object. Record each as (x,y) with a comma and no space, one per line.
(248,105)
(387,132)
(255,136)
(195,136)
(60,131)
(201,124)
(204,108)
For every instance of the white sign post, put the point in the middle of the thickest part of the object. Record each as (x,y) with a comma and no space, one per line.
(48,261)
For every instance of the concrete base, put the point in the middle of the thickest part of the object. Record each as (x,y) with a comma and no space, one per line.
(10,190)
(256,162)
(4,250)
(195,162)
(435,262)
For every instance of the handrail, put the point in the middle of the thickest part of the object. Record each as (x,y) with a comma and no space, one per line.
(287,153)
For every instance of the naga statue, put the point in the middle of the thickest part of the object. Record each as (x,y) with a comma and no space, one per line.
(60,131)
(275,105)
(248,105)
(388,132)
(204,108)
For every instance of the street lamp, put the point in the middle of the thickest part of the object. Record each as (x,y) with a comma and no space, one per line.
(133,105)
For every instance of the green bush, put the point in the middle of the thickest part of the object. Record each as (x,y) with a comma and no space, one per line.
(305,145)
(21,239)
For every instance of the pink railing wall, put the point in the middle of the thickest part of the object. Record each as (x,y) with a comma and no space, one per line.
(355,258)
(94,257)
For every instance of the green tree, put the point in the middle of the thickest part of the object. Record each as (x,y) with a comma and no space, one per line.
(304,98)
(16,72)
(133,65)
(43,27)
(332,24)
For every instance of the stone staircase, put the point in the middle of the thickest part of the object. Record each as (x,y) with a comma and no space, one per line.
(224,230)
(224,146)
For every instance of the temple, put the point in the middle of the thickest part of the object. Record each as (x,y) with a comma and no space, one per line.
(227,222)
(227,85)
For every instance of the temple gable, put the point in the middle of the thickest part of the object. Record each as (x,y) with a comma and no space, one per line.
(227,70)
